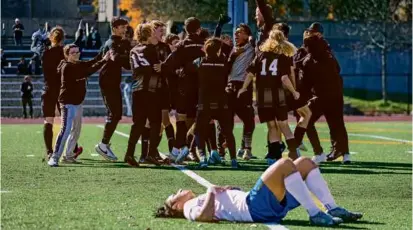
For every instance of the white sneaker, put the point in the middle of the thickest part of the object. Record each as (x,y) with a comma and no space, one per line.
(53,161)
(320,158)
(346,158)
(105,151)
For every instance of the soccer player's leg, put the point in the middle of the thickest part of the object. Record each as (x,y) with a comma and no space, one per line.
(113,102)
(201,134)
(282,121)
(48,109)
(317,185)
(281,189)
(247,116)
(275,145)
(155,120)
(224,118)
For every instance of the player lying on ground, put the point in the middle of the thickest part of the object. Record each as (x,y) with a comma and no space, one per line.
(282,187)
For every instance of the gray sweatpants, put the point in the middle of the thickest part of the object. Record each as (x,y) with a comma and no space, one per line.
(71,122)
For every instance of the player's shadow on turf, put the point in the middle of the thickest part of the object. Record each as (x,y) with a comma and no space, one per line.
(357,171)
(373,165)
(304,223)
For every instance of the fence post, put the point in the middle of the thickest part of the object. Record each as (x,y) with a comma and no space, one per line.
(409,96)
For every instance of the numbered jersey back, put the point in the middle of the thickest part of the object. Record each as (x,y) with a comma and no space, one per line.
(143,58)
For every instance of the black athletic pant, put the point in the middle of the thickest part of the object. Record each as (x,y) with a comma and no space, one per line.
(332,109)
(113,102)
(27,101)
(145,105)
(202,131)
(242,107)
(312,136)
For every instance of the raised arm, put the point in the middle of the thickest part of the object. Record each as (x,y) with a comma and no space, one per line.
(267,15)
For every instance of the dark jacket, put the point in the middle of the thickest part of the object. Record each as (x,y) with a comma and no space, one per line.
(110,75)
(74,75)
(321,70)
(187,51)
(26,88)
(264,30)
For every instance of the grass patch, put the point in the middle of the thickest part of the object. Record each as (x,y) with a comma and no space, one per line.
(378,106)
(101,195)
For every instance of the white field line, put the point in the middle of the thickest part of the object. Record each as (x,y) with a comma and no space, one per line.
(202,181)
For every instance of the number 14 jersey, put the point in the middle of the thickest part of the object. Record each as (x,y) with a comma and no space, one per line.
(268,68)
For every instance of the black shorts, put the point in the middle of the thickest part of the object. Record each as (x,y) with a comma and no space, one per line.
(267,114)
(50,103)
(186,103)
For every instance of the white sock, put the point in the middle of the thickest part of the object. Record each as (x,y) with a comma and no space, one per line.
(103,147)
(295,185)
(318,186)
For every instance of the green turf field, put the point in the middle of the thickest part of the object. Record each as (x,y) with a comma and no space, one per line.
(101,195)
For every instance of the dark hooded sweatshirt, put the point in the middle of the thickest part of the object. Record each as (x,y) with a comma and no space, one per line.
(110,76)
(73,76)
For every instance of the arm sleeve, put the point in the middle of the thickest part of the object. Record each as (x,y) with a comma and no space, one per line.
(191,209)
(174,61)
(252,67)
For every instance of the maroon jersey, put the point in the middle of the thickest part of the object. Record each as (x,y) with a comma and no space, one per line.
(269,67)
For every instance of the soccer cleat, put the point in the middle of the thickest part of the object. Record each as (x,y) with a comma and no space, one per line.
(235,164)
(345,215)
(108,154)
(192,156)
(47,156)
(214,158)
(334,155)
(302,147)
(182,155)
(203,163)
(247,154)
(271,161)
(346,158)
(70,160)
(325,220)
(240,153)
(152,160)
(319,158)
(78,152)
(131,161)
(53,161)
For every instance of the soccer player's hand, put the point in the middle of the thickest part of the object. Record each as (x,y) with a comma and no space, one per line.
(296,95)
(108,55)
(157,67)
(241,91)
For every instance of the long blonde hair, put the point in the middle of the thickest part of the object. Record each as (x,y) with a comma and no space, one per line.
(277,43)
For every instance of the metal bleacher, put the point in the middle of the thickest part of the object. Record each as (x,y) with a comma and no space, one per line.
(11,105)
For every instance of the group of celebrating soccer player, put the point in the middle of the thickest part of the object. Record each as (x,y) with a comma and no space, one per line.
(206,78)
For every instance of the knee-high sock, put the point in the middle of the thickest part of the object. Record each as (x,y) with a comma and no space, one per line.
(170,134)
(181,131)
(110,128)
(48,137)
(212,137)
(295,185)
(145,142)
(318,186)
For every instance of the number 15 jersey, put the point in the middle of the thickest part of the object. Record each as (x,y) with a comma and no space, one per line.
(268,68)
(143,57)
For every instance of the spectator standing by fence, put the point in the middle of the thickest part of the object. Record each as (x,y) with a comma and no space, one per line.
(38,47)
(93,39)
(18,29)
(26,90)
